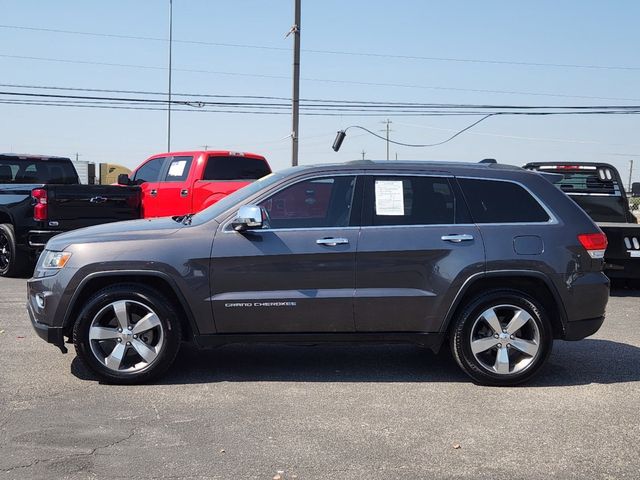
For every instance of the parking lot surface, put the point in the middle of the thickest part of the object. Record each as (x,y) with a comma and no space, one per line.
(352,412)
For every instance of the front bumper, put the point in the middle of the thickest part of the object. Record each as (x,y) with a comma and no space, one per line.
(53,335)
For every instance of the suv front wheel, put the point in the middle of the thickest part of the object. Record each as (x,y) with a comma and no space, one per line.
(127,334)
(502,337)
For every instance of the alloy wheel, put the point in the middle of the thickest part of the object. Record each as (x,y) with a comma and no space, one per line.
(505,339)
(126,336)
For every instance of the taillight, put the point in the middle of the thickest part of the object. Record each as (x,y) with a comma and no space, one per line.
(594,243)
(40,211)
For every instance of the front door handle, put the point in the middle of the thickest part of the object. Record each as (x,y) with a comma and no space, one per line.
(184,192)
(462,237)
(153,192)
(332,242)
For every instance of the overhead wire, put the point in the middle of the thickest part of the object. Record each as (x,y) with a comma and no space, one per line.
(330,52)
(322,80)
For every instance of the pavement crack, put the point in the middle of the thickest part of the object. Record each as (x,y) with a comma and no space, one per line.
(69,455)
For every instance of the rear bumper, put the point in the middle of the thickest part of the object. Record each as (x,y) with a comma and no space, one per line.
(582,328)
(622,268)
(37,239)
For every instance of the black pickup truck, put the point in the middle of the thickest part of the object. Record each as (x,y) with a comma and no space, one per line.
(598,189)
(41,196)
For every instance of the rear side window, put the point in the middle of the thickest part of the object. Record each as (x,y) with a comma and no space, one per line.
(492,201)
(37,171)
(150,171)
(235,168)
(412,200)
(178,170)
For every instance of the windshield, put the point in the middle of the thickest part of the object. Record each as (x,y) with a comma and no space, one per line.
(236,197)
(602,208)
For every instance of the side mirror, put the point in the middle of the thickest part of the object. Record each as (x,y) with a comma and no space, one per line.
(123,179)
(249,217)
(635,189)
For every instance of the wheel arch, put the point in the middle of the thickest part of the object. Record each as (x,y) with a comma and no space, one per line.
(5,217)
(536,284)
(156,280)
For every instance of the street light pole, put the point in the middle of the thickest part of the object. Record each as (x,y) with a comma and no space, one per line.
(296,85)
(169,102)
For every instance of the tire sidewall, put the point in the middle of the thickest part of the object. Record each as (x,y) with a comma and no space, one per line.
(166,313)
(461,339)
(7,231)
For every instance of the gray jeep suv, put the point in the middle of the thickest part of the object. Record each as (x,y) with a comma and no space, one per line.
(493,259)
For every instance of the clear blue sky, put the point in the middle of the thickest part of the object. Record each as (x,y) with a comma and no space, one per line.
(567,32)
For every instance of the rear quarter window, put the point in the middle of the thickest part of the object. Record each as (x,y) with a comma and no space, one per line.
(494,201)
(235,167)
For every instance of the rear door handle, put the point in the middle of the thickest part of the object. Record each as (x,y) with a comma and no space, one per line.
(332,242)
(153,192)
(462,237)
(184,192)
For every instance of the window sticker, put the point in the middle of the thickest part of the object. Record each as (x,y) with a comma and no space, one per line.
(177,168)
(389,197)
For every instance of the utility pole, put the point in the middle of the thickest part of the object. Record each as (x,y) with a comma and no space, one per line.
(295,29)
(204,147)
(77,155)
(630,173)
(363,152)
(388,122)
(169,102)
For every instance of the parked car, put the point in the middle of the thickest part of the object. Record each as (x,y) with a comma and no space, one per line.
(40,196)
(493,259)
(179,183)
(599,190)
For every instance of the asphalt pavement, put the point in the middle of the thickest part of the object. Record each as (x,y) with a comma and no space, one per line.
(343,412)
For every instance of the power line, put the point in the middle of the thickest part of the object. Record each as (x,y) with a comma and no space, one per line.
(333,52)
(424,108)
(264,97)
(323,80)
(415,144)
(63,103)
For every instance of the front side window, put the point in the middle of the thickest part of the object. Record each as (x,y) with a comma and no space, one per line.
(150,171)
(410,200)
(313,203)
(178,170)
(493,201)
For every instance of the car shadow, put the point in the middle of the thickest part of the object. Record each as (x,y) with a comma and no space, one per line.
(571,363)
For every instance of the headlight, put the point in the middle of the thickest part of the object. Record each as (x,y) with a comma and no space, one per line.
(55,260)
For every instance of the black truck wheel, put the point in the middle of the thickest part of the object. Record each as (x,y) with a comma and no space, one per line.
(13,261)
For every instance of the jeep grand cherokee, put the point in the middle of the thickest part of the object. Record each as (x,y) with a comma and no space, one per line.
(493,259)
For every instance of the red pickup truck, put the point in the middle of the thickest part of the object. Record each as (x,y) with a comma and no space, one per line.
(179,183)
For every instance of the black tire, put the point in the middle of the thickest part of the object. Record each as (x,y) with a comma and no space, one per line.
(13,261)
(472,326)
(99,314)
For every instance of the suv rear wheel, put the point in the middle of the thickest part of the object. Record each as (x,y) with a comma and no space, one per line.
(127,334)
(502,337)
